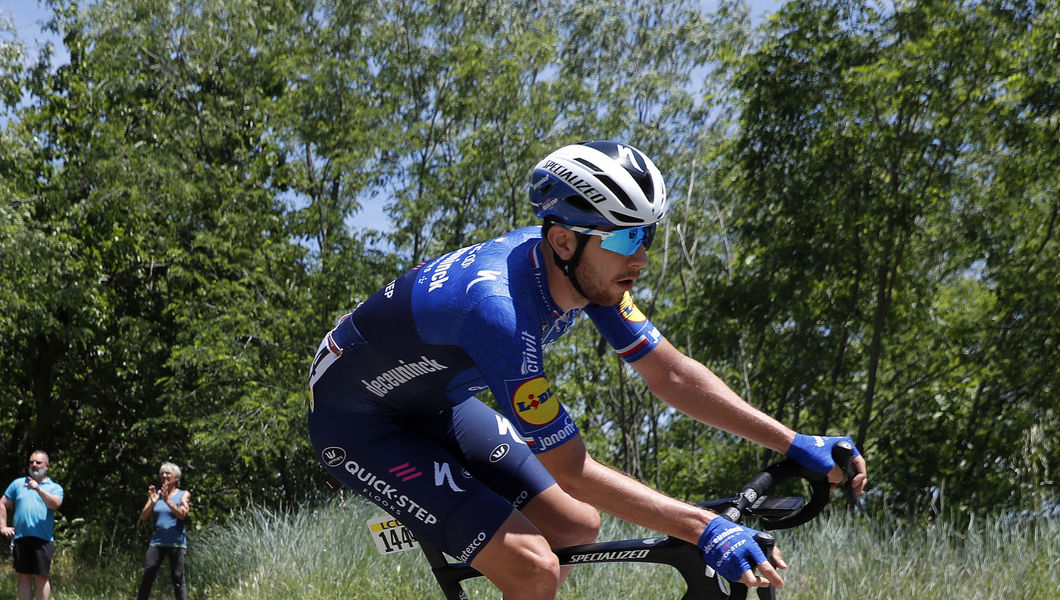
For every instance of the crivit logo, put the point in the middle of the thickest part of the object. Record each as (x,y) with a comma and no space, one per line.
(333,456)
(531,362)
(535,403)
(629,311)
(387,496)
(402,373)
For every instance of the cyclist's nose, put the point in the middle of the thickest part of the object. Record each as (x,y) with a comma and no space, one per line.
(639,258)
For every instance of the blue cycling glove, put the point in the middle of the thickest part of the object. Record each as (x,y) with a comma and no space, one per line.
(815,452)
(730,548)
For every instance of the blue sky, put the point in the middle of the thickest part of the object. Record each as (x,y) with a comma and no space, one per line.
(29,17)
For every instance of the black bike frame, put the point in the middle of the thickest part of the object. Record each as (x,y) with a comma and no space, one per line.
(703,583)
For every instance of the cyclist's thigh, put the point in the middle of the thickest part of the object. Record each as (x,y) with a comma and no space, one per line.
(519,561)
(496,454)
(400,463)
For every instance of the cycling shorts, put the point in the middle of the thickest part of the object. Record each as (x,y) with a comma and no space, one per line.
(452,477)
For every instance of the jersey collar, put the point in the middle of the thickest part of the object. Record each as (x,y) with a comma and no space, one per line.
(541,282)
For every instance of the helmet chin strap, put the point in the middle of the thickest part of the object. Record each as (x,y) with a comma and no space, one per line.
(568,266)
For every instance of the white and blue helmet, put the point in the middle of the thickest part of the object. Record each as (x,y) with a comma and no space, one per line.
(598,184)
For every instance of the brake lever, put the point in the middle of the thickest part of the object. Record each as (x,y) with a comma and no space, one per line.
(843,454)
(766,542)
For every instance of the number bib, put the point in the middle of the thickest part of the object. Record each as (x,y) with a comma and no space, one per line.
(391,536)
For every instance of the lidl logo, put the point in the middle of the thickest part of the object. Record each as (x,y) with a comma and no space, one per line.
(630,311)
(534,402)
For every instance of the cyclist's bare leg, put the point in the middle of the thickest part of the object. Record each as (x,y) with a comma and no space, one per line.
(519,561)
(563,520)
(553,519)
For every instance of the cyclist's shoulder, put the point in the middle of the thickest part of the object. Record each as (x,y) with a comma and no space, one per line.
(469,275)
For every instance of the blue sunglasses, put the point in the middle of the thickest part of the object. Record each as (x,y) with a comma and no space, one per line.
(623,241)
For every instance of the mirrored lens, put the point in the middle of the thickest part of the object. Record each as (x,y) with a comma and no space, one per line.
(627,241)
(649,235)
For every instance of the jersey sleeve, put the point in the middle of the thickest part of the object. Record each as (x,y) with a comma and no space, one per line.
(508,353)
(628,331)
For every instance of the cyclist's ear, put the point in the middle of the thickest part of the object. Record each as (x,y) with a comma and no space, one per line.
(563,241)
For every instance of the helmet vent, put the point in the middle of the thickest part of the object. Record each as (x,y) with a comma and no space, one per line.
(646,186)
(617,191)
(615,216)
(588,164)
(580,203)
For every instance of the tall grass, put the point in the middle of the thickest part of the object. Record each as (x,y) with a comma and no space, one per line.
(325,552)
(881,559)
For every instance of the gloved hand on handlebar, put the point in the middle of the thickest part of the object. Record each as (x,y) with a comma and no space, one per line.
(730,548)
(815,452)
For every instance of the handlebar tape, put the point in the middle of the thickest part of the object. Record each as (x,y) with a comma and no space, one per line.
(842,453)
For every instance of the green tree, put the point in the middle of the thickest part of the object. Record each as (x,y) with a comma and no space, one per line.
(863,144)
(173,293)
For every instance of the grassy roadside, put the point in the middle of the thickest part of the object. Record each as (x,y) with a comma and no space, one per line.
(325,553)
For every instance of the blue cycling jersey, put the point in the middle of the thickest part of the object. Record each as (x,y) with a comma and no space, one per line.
(474,319)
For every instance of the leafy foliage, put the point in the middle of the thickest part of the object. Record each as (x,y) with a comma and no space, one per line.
(863,235)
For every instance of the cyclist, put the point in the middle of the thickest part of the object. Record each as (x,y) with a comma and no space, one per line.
(393,414)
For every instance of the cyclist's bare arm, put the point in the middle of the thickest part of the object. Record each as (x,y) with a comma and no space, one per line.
(620,495)
(689,386)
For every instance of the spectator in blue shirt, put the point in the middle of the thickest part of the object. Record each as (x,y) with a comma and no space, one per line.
(170,506)
(33,499)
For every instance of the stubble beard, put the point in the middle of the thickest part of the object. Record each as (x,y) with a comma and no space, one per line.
(597,291)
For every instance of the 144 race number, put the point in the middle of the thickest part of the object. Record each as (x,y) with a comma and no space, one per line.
(391,536)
